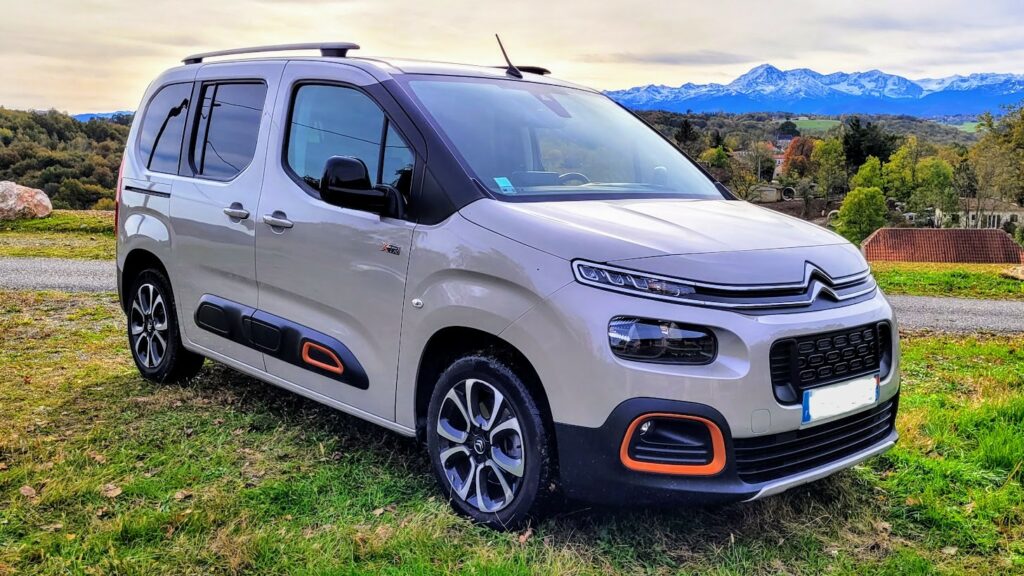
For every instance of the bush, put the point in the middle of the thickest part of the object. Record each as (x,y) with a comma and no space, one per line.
(104,204)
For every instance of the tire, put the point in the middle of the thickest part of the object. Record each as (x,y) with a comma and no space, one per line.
(508,452)
(153,334)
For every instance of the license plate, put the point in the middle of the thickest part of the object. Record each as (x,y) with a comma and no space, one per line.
(829,401)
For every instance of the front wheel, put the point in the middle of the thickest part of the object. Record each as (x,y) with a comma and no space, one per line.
(153,332)
(488,444)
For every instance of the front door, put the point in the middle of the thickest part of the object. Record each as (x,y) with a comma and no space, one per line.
(331,279)
(214,201)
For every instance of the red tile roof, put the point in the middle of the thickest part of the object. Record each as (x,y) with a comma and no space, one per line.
(942,245)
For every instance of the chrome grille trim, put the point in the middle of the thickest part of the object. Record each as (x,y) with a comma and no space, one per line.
(742,296)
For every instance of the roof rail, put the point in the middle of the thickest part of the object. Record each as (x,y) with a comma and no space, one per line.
(338,49)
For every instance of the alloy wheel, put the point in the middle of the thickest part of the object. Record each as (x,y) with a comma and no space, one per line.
(481,445)
(148,326)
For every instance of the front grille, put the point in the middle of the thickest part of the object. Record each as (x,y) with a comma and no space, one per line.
(804,362)
(767,458)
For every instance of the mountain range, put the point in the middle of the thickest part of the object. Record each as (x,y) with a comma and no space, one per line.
(766,88)
(100,115)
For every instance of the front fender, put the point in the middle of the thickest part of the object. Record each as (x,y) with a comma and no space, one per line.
(463,275)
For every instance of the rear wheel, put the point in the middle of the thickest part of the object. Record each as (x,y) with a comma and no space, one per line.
(488,444)
(153,331)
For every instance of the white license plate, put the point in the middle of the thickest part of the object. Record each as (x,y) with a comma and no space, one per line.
(829,401)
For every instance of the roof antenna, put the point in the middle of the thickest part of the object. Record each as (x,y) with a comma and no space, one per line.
(512,70)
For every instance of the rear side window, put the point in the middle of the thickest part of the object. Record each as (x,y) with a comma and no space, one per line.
(227,129)
(163,127)
(337,121)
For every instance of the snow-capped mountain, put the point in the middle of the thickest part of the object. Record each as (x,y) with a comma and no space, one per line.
(766,88)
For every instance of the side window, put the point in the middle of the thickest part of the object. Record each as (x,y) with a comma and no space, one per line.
(337,121)
(163,127)
(227,129)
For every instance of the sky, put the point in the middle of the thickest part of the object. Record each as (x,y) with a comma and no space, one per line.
(99,55)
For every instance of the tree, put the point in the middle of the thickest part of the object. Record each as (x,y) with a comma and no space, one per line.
(761,159)
(965,179)
(863,211)
(935,186)
(715,139)
(861,140)
(796,163)
(788,128)
(688,137)
(900,172)
(999,156)
(830,167)
(716,160)
(869,175)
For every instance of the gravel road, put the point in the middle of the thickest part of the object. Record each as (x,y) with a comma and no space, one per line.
(57,274)
(958,314)
(913,312)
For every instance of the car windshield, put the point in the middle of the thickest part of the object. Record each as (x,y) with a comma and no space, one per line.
(532,141)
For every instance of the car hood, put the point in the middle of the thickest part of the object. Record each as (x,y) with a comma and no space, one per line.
(675,237)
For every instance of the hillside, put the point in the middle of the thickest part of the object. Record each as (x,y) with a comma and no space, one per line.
(74,162)
(804,91)
(752,127)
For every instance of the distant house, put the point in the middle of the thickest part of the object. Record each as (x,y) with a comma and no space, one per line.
(942,245)
(985,213)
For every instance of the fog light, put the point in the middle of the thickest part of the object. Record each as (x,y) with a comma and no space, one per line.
(661,341)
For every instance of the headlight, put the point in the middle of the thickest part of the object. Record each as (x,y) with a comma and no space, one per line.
(661,341)
(629,281)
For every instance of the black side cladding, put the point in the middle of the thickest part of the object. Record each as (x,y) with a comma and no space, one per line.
(277,337)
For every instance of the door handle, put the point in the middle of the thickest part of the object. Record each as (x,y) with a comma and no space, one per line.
(277,220)
(236,211)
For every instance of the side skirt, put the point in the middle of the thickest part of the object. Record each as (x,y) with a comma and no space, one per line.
(281,338)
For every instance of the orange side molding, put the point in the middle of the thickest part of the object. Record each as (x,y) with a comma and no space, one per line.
(716,465)
(336,368)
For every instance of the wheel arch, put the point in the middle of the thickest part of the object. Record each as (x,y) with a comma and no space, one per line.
(453,342)
(135,262)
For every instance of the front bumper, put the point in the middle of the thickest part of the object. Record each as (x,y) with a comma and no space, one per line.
(591,468)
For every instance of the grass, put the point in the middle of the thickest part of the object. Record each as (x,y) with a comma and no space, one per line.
(102,472)
(954,280)
(87,234)
(969,127)
(815,124)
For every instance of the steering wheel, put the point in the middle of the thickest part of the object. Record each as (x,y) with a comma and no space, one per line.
(570,176)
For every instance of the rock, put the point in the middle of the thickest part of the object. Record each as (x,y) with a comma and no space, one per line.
(18,202)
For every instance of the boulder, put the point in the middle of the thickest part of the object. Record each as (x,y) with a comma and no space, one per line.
(17,202)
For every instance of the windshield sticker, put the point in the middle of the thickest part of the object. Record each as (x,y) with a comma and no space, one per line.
(505,185)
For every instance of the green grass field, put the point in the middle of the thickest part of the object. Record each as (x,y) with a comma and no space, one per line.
(953,280)
(104,473)
(85,234)
(815,125)
(969,127)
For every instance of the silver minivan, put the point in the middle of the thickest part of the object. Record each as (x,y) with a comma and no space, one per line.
(514,269)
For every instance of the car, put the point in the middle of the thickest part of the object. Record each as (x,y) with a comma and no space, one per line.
(513,269)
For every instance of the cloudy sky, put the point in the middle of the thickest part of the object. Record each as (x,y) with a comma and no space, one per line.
(98,55)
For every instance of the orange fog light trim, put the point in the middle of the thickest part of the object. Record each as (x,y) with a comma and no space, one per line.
(336,368)
(716,465)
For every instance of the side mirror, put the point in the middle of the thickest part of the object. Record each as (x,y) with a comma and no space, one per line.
(346,183)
